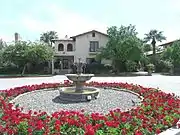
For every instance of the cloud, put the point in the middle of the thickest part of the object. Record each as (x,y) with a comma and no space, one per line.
(63,21)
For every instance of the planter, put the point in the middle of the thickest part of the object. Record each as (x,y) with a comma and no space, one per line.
(149,72)
(171,71)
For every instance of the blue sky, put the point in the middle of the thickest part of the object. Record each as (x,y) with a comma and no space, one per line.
(70,17)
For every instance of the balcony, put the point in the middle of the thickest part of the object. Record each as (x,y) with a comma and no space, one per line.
(64,53)
(93,51)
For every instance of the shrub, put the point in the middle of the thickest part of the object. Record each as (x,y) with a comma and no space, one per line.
(131,66)
(97,68)
(10,69)
(150,67)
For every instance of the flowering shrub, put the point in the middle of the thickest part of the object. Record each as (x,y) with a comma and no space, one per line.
(158,112)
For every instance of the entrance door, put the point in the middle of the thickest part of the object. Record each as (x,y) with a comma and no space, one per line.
(65,63)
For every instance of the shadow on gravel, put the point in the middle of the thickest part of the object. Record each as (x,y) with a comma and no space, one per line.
(58,100)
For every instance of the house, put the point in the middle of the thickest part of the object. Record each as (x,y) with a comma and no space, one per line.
(84,46)
(161,48)
(165,45)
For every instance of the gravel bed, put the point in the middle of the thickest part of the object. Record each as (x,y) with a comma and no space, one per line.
(49,101)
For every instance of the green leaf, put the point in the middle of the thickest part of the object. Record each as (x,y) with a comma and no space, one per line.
(1,114)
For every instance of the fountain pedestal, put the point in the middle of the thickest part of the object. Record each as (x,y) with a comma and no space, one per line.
(79,86)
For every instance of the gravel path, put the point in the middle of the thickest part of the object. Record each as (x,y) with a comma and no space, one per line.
(49,101)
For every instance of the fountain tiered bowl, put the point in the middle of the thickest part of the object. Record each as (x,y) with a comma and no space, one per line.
(79,93)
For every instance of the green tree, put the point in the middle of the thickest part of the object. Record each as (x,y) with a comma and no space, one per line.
(123,46)
(1,58)
(147,47)
(48,36)
(154,36)
(24,53)
(173,54)
(2,44)
(166,55)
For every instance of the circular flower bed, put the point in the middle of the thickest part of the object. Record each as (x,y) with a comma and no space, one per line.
(157,112)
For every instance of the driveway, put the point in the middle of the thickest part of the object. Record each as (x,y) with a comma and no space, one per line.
(170,84)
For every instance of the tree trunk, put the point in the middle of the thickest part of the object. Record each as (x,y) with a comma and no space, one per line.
(119,66)
(154,49)
(24,69)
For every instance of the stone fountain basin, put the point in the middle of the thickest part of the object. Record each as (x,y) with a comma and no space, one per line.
(70,94)
(79,77)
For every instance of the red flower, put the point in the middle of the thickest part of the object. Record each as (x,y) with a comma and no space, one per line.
(123,119)
(39,125)
(57,125)
(112,123)
(137,132)
(158,131)
(89,130)
(30,130)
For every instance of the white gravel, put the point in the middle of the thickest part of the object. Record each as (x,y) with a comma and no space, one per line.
(49,101)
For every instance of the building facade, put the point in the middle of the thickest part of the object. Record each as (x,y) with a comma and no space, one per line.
(84,46)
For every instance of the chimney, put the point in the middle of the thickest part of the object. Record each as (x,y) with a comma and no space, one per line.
(16,35)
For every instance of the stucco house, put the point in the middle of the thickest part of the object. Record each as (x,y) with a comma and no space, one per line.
(84,46)
(165,45)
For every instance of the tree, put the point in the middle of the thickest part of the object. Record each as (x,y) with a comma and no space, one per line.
(48,36)
(1,58)
(173,54)
(123,46)
(2,44)
(24,53)
(154,36)
(147,47)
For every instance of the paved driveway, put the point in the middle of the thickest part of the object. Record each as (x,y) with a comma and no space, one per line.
(166,83)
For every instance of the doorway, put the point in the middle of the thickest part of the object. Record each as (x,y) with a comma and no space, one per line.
(65,64)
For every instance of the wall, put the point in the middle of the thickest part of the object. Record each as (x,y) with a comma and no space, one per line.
(83,44)
(65,52)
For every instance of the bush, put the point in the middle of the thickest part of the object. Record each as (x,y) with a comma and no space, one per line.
(177,70)
(167,66)
(131,66)
(97,68)
(10,70)
(150,67)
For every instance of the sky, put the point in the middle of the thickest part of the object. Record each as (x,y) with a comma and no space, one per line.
(30,18)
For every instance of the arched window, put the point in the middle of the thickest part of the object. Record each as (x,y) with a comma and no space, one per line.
(69,47)
(60,47)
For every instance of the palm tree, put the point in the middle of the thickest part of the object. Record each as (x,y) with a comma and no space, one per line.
(48,36)
(154,36)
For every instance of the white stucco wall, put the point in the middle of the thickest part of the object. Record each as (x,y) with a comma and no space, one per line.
(65,43)
(82,44)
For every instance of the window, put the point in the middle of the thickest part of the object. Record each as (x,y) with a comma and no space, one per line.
(94,46)
(93,34)
(57,64)
(69,47)
(60,47)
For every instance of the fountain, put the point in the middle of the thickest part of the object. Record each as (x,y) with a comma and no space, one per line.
(79,93)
